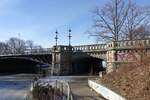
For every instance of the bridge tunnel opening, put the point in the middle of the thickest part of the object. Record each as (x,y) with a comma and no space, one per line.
(87,66)
(18,65)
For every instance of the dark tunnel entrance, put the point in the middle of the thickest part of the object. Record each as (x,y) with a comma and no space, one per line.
(87,66)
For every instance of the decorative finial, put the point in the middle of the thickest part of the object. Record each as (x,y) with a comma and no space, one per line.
(56,31)
(69,30)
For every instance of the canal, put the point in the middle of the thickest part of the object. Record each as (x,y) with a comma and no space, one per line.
(15,86)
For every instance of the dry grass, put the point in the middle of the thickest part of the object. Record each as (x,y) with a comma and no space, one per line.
(131,81)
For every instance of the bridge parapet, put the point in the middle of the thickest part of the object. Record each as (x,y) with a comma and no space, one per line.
(38,51)
(62,48)
(89,48)
(126,51)
(129,44)
(31,52)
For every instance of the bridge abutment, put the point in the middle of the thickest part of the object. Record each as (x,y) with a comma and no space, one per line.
(126,52)
(61,60)
(111,57)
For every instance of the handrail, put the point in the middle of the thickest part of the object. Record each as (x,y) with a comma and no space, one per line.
(69,93)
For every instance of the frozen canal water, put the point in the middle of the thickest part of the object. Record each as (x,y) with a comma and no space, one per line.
(14,87)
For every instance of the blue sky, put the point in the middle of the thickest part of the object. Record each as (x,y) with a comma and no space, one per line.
(37,20)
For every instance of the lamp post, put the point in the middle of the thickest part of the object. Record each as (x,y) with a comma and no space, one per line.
(70,52)
(69,37)
(54,56)
(56,37)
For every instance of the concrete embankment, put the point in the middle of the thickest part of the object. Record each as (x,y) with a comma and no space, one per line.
(104,91)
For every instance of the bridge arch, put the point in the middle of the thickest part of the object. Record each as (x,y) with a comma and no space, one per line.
(19,65)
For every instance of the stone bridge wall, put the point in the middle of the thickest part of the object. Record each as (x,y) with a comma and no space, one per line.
(95,50)
(125,52)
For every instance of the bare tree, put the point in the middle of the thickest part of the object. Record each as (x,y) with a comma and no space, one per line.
(32,47)
(2,48)
(136,22)
(141,32)
(38,48)
(113,21)
(16,45)
(30,44)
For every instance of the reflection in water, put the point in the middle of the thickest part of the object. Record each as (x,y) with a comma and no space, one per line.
(14,87)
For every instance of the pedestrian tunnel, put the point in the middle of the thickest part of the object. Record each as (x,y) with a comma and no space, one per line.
(87,66)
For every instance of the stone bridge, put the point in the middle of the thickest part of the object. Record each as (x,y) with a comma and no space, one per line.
(114,54)
(73,59)
(78,59)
